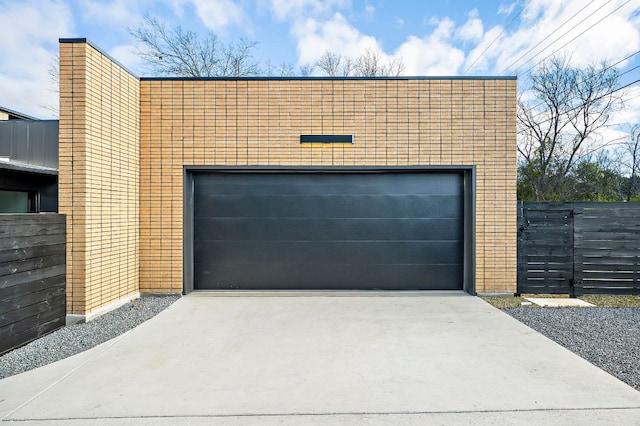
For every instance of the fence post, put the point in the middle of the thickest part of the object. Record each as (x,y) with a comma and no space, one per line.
(520,258)
(578,264)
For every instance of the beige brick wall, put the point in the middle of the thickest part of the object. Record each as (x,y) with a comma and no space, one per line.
(395,122)
(124,143)
(99,177)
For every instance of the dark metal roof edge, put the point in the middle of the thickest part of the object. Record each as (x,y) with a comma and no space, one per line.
(401,78)
(27,168)
(323,169)
(20,120)
(84,40)
(18,114)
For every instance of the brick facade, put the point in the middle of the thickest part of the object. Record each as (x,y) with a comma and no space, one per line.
(257,122)
(99,177)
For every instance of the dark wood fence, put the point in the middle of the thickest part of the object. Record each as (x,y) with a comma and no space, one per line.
(579,248)
(32,277)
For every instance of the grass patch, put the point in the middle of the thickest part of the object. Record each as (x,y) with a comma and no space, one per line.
(601,301)
(609,301)
(505,301)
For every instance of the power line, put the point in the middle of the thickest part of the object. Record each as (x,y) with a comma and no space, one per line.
(498,36)
(629,70)
(601,72)
(594,100)
(624,59)
(553,32)
(573,39)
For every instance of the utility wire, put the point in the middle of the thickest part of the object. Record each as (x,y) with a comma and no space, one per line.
(629,70)
(526,3)
(601,72)
(595,99)
(573,39)
(553,32)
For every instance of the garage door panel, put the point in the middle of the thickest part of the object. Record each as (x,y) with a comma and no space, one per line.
(354,252)
(299,230)
(331,277)
(270,184)
(296,229)
(335,206)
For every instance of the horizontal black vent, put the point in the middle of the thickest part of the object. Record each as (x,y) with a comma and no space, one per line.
(326,138)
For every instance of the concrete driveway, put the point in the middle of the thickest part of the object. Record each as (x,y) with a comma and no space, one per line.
(372,359)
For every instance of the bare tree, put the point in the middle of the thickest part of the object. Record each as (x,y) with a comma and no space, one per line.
(558,123)
(335,65)
(54,78)
(176,52)
(281,70)
(631,161)
(369,64)
(306,70)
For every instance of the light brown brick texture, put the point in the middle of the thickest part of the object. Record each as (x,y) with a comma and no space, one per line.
(258,122)
(99,177)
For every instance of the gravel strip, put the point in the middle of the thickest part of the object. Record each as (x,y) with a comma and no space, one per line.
(609,338)
(74,339)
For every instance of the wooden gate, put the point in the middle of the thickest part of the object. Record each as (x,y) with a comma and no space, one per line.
(545,248)
(579,248)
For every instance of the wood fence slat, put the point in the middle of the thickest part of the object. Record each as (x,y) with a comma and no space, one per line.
(11,255)
(28,299)
(25,323)
(27,276)
(26,288)
(9,268)
(31,241)
(35,304)
(26,331)
(8,230)
(32,277)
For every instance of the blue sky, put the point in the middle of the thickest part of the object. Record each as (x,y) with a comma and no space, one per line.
(445,37)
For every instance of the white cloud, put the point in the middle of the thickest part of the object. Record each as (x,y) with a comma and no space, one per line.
(297,9)
(476,57)
(369,11)
(546,26)
(433,54)
(127,56)
(473,29)
(217,15)
(112,13)
(29,31)
(506,9)
(335,34)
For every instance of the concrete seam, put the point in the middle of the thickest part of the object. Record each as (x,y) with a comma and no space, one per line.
(390,413)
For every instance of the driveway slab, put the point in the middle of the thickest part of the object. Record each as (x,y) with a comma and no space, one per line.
(323,359)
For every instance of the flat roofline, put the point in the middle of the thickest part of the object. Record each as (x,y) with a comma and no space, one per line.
(287,78)
(27,168)
(398,78)
(85,40)
(19,115)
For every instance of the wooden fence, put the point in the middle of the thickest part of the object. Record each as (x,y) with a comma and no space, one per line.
(32,277)
(579,248)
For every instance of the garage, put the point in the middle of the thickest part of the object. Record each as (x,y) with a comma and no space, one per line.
(284,183)
(387,229)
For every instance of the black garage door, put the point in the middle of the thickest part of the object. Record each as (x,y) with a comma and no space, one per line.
(328,231)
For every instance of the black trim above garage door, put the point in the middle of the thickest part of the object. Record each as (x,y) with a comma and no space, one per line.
(329,229)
